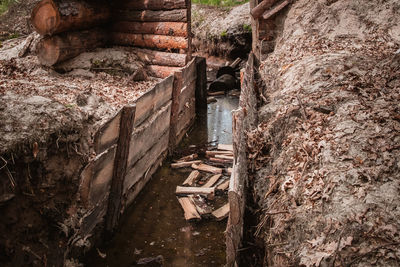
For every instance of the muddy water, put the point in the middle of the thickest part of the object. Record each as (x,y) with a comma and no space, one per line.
(155,224)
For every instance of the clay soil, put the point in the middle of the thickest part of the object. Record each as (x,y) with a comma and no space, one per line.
(324,159)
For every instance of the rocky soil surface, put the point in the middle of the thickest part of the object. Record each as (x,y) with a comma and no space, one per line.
(325,156)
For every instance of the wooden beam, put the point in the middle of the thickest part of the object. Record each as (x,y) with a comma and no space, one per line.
(183,190)
(201,84)
(176,15)
(152,4)
(257,12)
(149,40)
(223,186)
(153,57)
(269,13)
(222,212)
(120,166)
(225,147)
(161,71)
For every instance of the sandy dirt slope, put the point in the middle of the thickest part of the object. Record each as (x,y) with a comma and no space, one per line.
(325,156)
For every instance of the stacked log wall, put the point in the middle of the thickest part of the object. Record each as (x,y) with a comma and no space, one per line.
(155,25)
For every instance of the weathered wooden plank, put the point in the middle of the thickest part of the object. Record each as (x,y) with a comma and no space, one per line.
(107,135)
(194,175)
(144,135)
(184,190)
(217,152)
(202,208)
(269,13)
(120,166)
(207,168)
(159,28)
(184,164)
(222,212)
(226,147)
(224,157)
(188,157)
(175,15)
(212,180)
(177,87)
(223,186)
(186,118)
(187,96)
(140,168)
(153,99)
(136,188)
(257,11)
(189,73)
(189,209)
(102,175)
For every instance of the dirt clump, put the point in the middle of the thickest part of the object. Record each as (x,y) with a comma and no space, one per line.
(325,156)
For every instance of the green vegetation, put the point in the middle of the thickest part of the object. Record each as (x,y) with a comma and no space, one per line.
(220,2)
(247,27)
(4,4)
(224,34)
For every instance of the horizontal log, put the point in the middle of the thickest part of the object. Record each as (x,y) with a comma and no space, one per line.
(224,157)
(176,15)
(202,208)
(217,152)
(161,28)
(152,4)
(50,17)
(260,8)
(223,186)
(222,161)
(189,157)
(269,13)
(149,40)
(153,57)
(207,168)
(182,190)
(184,164)
(55,49)
(161,71)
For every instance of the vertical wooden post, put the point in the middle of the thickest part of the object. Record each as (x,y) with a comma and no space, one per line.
(120,165)
(254,30)
(201,83)
(176,92)
(189,30)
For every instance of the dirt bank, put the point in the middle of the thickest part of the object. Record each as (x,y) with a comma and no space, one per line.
(325,156)
(224,32)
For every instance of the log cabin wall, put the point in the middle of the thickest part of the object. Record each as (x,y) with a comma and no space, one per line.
(160,27)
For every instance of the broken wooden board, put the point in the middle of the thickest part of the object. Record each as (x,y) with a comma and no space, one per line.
(212,180)
(223,186)
(224,157)
(207,168)
(202,208)
(216,93)
(223,161)
(183,190)
(225,147)
(194,175)
(217,152)
(184,164)
(228,171)
(221,213)
(188,158)
(189,209)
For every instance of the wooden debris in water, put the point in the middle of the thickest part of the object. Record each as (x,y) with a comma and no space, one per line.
(216,93)
(216,152)
(194,175)
(184,164)
(222,212)
(212,181)
(223,186)
(183,190)
(206,168)
(189,209)
(224,157)
(188,158)
(225,147)
(228,171)
(223,161)
(211,99)
(201,207)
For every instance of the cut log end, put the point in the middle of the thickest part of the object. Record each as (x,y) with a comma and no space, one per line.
(48,51)
(45,17)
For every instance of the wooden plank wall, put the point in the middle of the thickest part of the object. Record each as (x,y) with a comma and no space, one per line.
(161,28)
(243,120)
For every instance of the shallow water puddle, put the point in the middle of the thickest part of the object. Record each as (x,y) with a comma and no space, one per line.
(155,224)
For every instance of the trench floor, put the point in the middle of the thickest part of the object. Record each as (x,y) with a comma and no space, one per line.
(155,224)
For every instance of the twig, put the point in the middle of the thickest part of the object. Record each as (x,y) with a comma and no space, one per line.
(5,163)
(273,187)
(277,212)
(303,113)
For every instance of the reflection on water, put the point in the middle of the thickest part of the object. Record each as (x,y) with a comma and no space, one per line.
(155,225)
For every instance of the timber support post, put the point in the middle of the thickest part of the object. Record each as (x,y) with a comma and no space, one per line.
(201,84)
(120,167)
